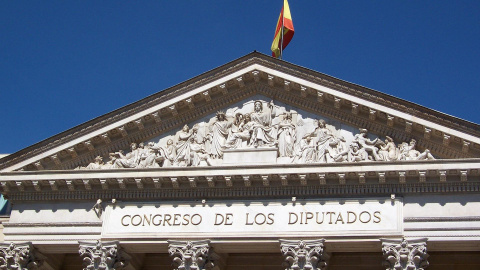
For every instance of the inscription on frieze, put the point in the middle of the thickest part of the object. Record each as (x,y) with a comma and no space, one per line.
(280,218)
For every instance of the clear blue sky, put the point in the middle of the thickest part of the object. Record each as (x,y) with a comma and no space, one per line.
(63,63)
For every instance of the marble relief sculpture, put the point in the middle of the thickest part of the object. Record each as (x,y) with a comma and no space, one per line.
(297,138)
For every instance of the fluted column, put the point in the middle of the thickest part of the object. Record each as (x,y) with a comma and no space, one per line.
(103,255)
(304,254)
(20,256)
(192,255)
(400,254)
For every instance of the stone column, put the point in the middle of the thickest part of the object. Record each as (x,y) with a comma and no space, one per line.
(400,254)
(304,254)
(192,255)
(103,255)
(20,256)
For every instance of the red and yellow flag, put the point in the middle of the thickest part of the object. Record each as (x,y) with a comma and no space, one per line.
(285,22)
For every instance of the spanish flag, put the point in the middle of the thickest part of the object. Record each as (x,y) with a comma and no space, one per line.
(283,32)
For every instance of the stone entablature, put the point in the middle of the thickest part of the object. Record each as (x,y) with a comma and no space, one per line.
(260,77)
(436,171)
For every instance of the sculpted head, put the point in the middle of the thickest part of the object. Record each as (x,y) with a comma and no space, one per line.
(221,116)
(288,116)
(321,123)
(247,118)
(185,128)
(239,116)
(98,159)
(258,106)
(141,145)
(354,146)
(169,142)
(133,146)
(413,142)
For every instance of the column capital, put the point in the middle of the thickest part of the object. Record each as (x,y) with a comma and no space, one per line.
(400,254)
(191,255)
(103,255)
(304,254)
(20,256)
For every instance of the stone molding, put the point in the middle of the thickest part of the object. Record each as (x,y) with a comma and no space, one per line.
(251,192)
(441,219)
(304,254)
(20,256)
(103,255)
(345,178)
(400,254)
(192,255)
(286,68)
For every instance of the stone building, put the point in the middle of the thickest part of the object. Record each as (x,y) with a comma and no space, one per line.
(257,164)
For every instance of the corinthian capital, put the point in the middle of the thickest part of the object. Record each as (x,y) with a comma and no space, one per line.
(400,254)
(19,256)
(191,255)
(304,254)
(103,255)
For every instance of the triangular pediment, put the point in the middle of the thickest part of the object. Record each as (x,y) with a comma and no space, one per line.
(300,98)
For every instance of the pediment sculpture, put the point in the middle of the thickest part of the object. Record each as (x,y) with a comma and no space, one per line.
(296,138)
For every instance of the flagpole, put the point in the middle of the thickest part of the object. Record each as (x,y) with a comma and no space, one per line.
(281,40)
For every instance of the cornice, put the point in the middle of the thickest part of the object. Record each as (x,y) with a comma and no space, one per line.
(273,181)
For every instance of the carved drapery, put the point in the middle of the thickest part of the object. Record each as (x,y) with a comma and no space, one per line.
(20,256)
(405,255)
(297,138)
(304,254)
(191,255)
(103,256)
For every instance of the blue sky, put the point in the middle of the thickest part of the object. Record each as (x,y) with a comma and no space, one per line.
(63,63)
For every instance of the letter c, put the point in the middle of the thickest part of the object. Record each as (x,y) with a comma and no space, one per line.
(124,218)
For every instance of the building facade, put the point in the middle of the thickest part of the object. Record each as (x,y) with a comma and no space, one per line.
(257,164)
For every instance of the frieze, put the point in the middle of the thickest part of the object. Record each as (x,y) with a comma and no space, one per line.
(255,218)
(294,138)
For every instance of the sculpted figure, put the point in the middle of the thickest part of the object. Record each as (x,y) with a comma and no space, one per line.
(183,147)
(110,164)
(388,151)
(413,154)
(96,165)
(323,136)
(286,136)
(170,153)
(237,136)
(151,158)
(307,150)
(220,132)
(263,134)
(233,140)
(357,154)
(367,144)
(198,154)
(337,150)
(130,160)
